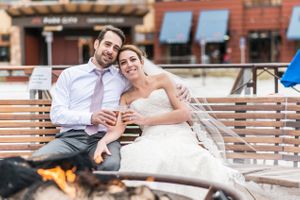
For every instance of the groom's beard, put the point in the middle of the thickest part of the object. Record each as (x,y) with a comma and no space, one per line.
(101,61)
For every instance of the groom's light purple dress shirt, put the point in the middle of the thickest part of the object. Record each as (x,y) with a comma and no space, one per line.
(72,95)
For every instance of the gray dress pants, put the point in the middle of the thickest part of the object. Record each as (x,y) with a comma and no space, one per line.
(78,140)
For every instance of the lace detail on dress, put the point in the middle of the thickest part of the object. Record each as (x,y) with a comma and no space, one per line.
(156,103)
(206,141)
(236,177)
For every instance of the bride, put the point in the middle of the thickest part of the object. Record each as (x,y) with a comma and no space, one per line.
(171,131)
(167,145)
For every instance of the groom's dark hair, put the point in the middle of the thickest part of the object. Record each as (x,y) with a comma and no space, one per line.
(116,30)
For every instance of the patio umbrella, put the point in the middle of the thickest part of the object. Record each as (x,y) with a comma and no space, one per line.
(291,76)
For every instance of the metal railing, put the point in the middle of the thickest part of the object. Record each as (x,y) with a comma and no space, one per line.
(256,68)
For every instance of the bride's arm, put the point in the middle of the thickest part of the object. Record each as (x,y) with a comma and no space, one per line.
(180,113)
(113,133)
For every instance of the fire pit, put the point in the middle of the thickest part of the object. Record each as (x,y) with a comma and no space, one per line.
(71,177)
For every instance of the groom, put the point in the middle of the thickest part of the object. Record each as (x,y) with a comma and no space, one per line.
(84,123)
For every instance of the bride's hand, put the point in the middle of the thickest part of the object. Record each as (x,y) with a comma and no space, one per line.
(133,117)
(101,151)
(183,93)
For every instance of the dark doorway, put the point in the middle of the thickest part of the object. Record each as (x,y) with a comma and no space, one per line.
(264,46)
(35,48)
(65,50)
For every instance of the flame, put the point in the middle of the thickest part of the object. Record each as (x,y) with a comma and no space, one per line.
(150,179)
(63,179)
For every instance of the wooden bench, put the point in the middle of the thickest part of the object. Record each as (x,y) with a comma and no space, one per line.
(270,124)
(25,126)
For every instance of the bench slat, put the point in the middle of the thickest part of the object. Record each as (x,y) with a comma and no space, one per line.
(260,131)
(20,147)
(24,109)
(257,147)
(264,131)
(25,124)
(256,115)
(248,99)
(25,102)
(255,156)
(127,138)
(254,108)
(24,116)
(25,139)
(256,123)
(272,181)
(291,141)
(254,140)
(15,153)
(29,131)
(292,149)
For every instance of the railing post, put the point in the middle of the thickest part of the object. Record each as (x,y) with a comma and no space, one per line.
(276,79)
(32,94)
(254,78)
(296,163)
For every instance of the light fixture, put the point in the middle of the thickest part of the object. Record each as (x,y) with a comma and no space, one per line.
(226,37)
(98,27)
(53,28)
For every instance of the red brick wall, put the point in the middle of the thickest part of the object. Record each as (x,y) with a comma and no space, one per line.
(241,21)
(288,48)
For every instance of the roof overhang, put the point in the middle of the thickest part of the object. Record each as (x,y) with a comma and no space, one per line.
(77,14)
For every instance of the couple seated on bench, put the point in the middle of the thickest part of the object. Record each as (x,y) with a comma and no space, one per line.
(168,144)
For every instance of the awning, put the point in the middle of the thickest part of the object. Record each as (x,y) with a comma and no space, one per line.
(212,25)
(176,27)
(293,32)
(291,76)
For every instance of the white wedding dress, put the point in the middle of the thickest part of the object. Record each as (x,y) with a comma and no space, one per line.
(171,149)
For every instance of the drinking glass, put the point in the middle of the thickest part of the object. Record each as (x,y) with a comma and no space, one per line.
(117,110)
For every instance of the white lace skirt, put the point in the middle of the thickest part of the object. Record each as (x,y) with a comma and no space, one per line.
(174,150)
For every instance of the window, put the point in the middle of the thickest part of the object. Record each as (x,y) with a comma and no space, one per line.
(180,53)
(5,37)
(261,3)
(4,54)
(4,48)
(264,46)
(297,45)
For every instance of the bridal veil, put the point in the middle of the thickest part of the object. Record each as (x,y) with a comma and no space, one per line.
(208,129)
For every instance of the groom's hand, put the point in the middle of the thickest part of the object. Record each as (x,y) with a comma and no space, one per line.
(104,117)
(183,93)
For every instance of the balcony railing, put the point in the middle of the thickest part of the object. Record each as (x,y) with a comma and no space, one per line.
(22,73)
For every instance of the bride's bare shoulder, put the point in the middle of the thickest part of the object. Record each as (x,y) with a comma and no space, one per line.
(162,80)
(160,77)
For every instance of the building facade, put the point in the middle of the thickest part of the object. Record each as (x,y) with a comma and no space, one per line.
(62,32)
(226,31)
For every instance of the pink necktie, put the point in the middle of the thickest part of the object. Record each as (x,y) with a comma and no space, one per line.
(96,101)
